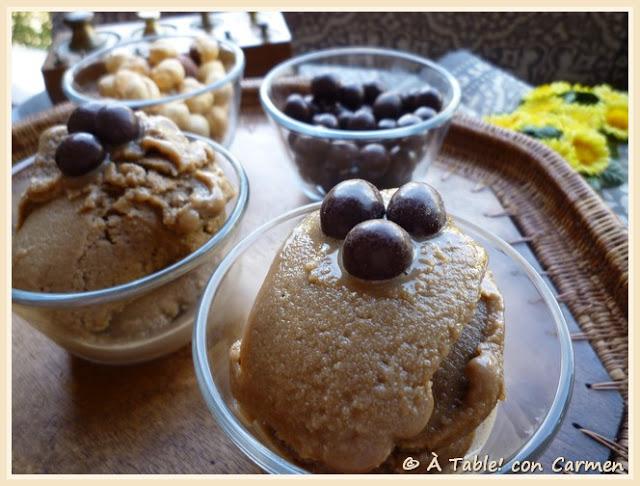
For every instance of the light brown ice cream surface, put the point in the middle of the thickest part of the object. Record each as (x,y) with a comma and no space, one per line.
(343,371)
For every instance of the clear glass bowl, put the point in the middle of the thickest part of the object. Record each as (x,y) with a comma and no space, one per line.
(538,359)
(411,149)
(54,314)
(79,83)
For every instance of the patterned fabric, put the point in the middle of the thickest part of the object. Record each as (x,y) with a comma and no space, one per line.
(539,47)
(487,89)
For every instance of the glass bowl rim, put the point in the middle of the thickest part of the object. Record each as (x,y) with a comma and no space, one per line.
(79,98)
(321,132)
(152,280)
(273,463)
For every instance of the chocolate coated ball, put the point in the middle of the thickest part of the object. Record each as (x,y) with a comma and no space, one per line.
(428,96)
(310,148)
(341,158)
(325,87)
(78,154)
(373,160)
(372,90)
(296,107)
(377,249)
(116,124)
(418,208)
(425,112)
(348,204)
(403,162)
(387,123)
(408,119)
(409,102)
(344,118)
(313,107)
(327,120)
(387,105)
(83,118)
(352,96)
(362,119)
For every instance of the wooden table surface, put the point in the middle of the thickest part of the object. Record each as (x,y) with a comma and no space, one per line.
(71,416)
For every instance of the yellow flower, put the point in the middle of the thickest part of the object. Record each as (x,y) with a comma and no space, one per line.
(581,88)
(575,125)
(565,148)
(615,111)
(616,121)
(547,90)
(541,104)
(588,115)
(511,121)
(558,121)
(610,96)
(591,151)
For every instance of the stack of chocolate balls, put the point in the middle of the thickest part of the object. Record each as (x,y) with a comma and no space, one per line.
(356,107)
(94,129)
(376,248)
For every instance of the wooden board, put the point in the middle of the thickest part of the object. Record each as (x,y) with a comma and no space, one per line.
(70,416)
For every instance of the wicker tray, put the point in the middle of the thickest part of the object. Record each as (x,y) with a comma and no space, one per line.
(580,244)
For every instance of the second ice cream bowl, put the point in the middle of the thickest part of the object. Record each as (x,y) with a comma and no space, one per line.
(57,315)
(538,358)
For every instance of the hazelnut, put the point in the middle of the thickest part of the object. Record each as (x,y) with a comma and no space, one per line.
(222,96)
(168,74)
(115,59)
(176,111)
(107,86)
(152,88)
(218,122)
(137,64)
(200,103)
(207,49)
(211,71)
(161,50)
(130,85)
(197,124)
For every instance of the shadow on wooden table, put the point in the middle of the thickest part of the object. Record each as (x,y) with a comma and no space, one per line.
(89,418)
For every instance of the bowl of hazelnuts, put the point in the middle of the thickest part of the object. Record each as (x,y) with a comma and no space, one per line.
(374,114)
(193,80)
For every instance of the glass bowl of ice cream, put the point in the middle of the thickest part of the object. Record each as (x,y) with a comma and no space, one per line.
(364,334)
(117,222)
(359,112)
(192,79)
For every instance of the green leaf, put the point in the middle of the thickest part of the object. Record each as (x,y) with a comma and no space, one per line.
(594,181)
(612,143)
(580,97)
(613,175)
(541,132)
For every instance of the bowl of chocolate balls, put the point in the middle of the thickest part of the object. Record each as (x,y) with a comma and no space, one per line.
(374,114)
(192,79)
